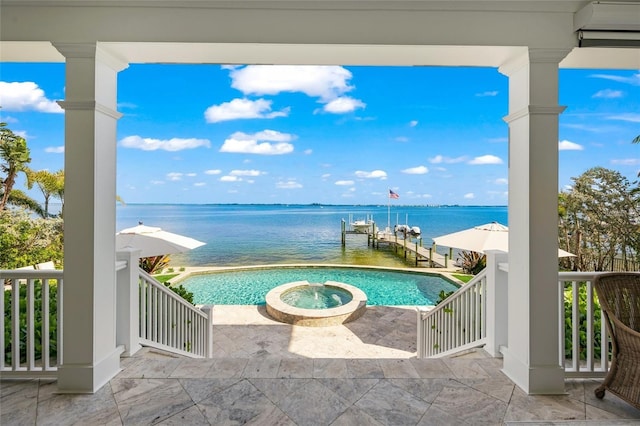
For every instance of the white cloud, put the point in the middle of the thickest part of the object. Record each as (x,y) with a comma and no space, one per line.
(413,123)
(343,105)
(634,80)
(26,96)
(485,159)
(55,149)
(230,179)
(630,117)
(8,119)
(242,109)
(259,143)
(447,160)
(501,181)
(174,176)
(191,174)
(289,184)
(490,93)
(199,184)
(326,175)
(566,145)
(324,82)
(419,170)
(375,174)
(174,144)
(469,196)
(402,139)
(213,172)
(308,151)
(345,182)
(608,94)
(626,161)
(246,173)
(157,182)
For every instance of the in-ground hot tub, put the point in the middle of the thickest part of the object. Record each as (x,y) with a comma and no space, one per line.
(316,305)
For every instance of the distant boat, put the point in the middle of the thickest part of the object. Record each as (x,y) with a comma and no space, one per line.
(361,226)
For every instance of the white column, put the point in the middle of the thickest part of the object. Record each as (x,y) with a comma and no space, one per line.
(531,359)
(91,358)
(128,302)
(497,303)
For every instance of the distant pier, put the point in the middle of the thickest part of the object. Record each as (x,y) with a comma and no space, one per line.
(402,246)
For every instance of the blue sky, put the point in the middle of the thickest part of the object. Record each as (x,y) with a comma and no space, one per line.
(335,135)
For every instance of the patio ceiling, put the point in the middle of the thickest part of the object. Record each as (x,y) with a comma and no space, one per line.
(420,33)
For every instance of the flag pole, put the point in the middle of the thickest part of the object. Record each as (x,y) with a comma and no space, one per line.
(389,210)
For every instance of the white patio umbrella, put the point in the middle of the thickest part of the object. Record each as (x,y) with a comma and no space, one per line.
(154,241)
(490,236)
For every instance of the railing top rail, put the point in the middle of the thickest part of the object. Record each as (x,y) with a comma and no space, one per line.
(577,276)
(31,273)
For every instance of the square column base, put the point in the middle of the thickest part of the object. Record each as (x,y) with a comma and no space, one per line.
(534,380)
(87,379)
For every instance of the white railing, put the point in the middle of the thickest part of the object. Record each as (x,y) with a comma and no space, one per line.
(582,345)
(169,322)
(32,315)
(455,324)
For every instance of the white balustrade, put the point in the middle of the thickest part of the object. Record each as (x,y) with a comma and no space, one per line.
(169,322)
(588,353)
(455,324)
(33,299)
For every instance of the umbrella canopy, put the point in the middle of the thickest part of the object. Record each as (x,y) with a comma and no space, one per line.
(154,241)
(491,236)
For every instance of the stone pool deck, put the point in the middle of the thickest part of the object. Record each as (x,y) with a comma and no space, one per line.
(267,373)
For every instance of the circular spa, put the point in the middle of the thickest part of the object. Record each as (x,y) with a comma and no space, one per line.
(316,304)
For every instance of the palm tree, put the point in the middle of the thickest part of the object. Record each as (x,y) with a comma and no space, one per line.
(15,157)
(50,184)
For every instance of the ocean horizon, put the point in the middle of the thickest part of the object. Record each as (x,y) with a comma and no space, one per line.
(259,234)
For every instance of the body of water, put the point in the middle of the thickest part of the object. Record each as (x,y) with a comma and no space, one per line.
(237,235)
(382,287)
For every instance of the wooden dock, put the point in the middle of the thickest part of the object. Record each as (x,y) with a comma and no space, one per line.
(403,246)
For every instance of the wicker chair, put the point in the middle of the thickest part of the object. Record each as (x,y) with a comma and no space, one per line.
(619,295)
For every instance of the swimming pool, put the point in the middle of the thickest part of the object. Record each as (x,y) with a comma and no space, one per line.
(382,287)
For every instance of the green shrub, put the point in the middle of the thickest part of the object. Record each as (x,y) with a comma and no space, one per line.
(37,329)
(582,318)
(181,291)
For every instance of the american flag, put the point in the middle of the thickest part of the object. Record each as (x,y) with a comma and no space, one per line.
(393,194)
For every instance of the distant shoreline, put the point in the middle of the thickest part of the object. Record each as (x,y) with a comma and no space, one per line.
(315,205)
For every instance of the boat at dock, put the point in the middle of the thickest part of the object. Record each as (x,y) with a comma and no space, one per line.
(361,226)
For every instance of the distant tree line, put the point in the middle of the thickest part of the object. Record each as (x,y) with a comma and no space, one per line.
(599,222)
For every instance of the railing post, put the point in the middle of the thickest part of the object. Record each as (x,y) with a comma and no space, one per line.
(208,309)
(496,303)
(127,302)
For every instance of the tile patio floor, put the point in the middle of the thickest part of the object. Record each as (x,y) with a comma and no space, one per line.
(267,373)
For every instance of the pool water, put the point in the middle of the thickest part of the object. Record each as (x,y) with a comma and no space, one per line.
(316,296)
(382,287)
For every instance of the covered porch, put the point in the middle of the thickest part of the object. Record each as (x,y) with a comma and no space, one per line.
(527,41)
(264,372)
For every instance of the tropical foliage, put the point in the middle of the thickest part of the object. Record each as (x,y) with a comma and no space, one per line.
(582,324)
(25,240)
(599,221)
(14,156)
(37,329)
(472,262)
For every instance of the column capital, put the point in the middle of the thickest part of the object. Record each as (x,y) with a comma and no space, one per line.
(531,56)
(89,106)
(91,51)
(534,110)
